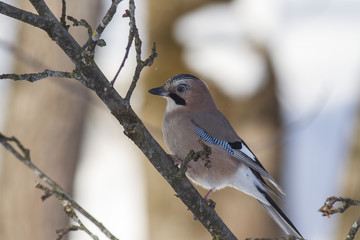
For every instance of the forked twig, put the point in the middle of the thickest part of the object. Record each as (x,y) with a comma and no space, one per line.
(23,154)
(329,209)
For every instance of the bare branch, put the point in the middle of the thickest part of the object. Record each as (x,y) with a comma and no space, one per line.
(24,156)
(83,23)
(139,67)
(33,77)
(138,46)
(24,16)
(281,238)
(62,232)
(41,7)
(68,209)
(134,34)
(127,50)
(328,208)
(92,42)
(138,42)
(353,230)
(63,15)
(70,212)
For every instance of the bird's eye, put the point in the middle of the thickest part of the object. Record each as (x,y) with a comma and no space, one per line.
(181,88)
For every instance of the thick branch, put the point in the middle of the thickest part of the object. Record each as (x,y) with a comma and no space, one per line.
(353,230)
(24,16)
(42,8)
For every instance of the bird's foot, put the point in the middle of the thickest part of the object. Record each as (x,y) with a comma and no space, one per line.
(211,203)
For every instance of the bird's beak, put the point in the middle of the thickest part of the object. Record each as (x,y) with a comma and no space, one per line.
(158,91)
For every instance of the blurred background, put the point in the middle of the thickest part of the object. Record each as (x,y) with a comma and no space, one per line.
(286,73)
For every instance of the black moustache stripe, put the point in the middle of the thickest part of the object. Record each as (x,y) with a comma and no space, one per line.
(178,100)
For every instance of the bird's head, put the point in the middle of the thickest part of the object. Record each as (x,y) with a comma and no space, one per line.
(185,91)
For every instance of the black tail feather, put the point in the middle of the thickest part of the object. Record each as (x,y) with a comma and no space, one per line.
(279,216)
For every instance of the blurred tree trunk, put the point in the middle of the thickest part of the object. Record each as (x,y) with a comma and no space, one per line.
(256,124)
(352,184)
(48,118)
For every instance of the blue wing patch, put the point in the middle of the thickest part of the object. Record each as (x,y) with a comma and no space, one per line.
(244,154)
(208,138)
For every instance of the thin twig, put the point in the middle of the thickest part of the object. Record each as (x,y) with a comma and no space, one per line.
(134,34)
(68,209)
(57,190)
(92,42)
(140,65)
(62,232)
(33,77)
(70,212)
(280,238)
(127,50)
(328,208)
(24,157)
(63,15)
(82,23)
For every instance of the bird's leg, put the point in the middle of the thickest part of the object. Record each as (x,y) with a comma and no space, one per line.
(206,197)
(210,202)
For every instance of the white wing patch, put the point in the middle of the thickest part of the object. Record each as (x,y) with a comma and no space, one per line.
(247,151)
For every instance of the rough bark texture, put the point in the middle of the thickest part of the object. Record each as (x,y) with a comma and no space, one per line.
(48,118)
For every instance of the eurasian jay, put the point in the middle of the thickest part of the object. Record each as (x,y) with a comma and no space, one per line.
(191,120)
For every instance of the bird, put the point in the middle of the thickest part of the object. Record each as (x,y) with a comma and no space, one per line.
(191,120)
